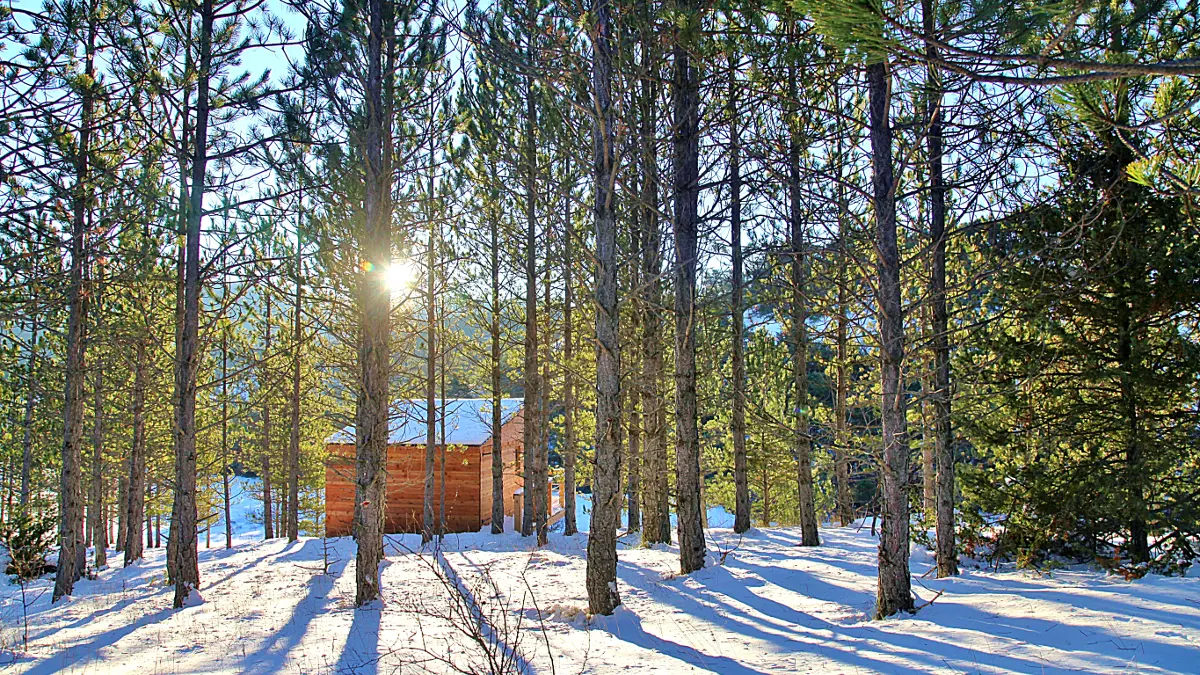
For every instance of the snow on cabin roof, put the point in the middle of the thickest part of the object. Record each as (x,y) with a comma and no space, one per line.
(468,421)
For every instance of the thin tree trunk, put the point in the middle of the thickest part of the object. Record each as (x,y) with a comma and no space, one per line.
(630,367)
(947,554)
(894,592)
(98,526)
(686,105)
(928,439)
(497,395)
(603,596)
(293,509)
(27,424)
(741,519)
(766,483)
(805,498)
(841,449)
(532,370)
(135,489)
(442,424)
(634,463)
(656,522)
(541,516)
(225,437)
(371,430)
(431,348)
(70,532)
(120,507)
(180,302)
(570,459)
(431,382)
(265,378)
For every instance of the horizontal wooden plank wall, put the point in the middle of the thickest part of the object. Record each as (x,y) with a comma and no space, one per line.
(404,510)
(512,444)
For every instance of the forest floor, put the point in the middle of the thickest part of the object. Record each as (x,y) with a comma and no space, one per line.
(762,605)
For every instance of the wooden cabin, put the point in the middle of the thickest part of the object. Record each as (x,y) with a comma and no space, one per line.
(468,452)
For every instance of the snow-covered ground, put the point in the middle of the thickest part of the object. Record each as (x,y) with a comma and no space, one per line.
(762,605)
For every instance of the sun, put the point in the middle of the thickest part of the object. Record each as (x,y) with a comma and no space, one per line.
(400,276)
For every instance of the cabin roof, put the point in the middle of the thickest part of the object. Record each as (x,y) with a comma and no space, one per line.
(468,421)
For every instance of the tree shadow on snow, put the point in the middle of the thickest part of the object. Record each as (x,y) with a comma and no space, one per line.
(269,657)
(78,655)
(1092,649)
(627,626)
(723,599)
(360,655)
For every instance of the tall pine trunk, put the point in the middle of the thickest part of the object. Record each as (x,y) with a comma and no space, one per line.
(99,525)
(27,423)
(497,395)
(183,511)
(293,509)
(894,592)
(541,516)
(264,382)
(841,434)
(806,502)
(947,554)
(603,596)
(532,369)
(685,100)
(225,470)
(371,425)
(741,519)
(631,365)
(571,454)
(135,490)
(431,349)
(656,522)
(71,558)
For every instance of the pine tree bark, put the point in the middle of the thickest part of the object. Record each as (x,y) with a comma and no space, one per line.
(532,369)
(630,400)
(264,382)
(741,518)
(183,512)
(135,490)
(603,596)
(122,500)
(656,522)
(99,526)
(541,515)
(805,499)
(180,302)
(71,560)
(431,350)
(686,140)
(371,425)
(947,552)
(442,436)
(928,440)
(225,470)
(27,423)
(633,469)
(894,592)
(293,510)
(841,435)
(570,442)
(497,395)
